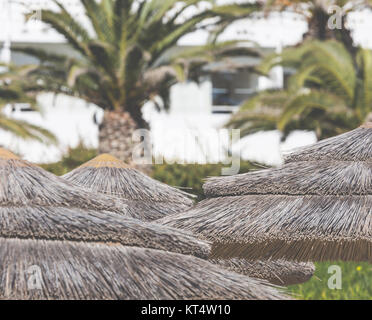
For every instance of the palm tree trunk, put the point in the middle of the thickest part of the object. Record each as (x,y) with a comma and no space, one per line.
(318,29)
(115,135)
(318,25)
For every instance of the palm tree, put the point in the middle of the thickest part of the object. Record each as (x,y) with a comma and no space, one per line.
(328,92)
(124,62)
(13,89)
(318,14)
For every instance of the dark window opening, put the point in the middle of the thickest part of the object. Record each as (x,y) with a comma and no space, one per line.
(232,88)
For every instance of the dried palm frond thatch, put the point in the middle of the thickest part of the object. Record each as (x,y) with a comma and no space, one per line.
(37,205)
(279,272)
(52,251)
(355,145)
(298,178)
(48,222)
(108,175)
(316,207)
(302,228)
(23,183)
(39,269)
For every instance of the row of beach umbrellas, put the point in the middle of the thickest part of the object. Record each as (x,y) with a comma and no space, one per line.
(148,199)
(87,245)
(108,231)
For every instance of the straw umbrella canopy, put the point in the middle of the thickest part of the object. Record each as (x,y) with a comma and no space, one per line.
(50,251)
(316,207)
(28,181)
(36,204)
(151,199)
(279,272)
(24,183)
(44,269)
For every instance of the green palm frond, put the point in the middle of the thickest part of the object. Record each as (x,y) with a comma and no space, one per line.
(251,122)
(237,11)
(129,45)
(17,86)
(68,27)
(190,62)
(304,102)
(26,130)
(266,98)
(364,86)
(259,113)
(328,92)
(290,57)
(334,66)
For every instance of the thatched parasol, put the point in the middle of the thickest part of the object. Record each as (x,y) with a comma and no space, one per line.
(23,183)
(151,199)
(316,207)
(40,269)
(52,251)
(37,205)
(279,272)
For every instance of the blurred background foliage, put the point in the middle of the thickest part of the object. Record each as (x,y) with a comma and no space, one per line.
(73,158)
(189,177)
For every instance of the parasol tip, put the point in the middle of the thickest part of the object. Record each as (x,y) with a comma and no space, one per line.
(106,160)
(7,155)
(367,124)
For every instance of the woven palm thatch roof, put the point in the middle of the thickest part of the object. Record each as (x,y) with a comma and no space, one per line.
(68,270)
(150,198)
(279,272)
(355,145)
(37,205)
(23,183)
(51,249)
(46,222)
(332,177)
(318,206)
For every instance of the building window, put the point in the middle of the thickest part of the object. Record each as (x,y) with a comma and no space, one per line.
(232,88)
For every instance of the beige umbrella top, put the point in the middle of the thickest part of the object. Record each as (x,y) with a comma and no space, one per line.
(24,183)
(355,145)
(317,206)
(35,204)
(76,270)
(279,272)
(150,198)
(73,252)
(6,154)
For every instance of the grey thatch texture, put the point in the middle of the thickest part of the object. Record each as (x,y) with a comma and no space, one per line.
(23,183)
(279,272)
(67,270)
(318,206)
(102,258)
(300,228)
(46,222)
(37,205)
(355,145)
(298,178)
(150,211)
(152,199)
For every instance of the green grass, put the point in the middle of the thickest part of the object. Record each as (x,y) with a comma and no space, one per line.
(356,283)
